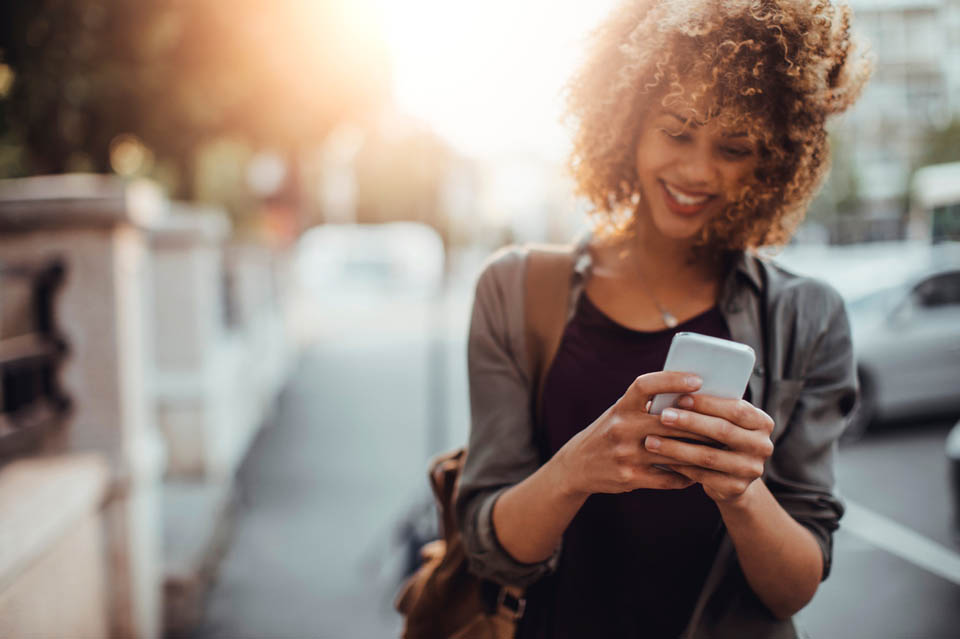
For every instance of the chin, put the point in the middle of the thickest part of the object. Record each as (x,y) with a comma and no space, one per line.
(678,229)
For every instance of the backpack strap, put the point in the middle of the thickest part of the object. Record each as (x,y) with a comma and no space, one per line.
(440,597)
(549,269)
(444,471)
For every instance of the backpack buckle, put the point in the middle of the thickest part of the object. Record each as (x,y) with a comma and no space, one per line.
(513,605)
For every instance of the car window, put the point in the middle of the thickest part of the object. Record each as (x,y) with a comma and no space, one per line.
(939,290)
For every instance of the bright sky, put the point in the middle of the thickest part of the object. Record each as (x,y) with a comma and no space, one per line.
(487,75)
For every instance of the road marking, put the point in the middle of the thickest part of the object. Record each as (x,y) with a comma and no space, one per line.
(899,540)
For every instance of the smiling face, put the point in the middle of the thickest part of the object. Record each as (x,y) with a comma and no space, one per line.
(687,172)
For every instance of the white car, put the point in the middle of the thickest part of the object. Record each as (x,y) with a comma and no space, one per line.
(953,459)
(907,343)
(903,301)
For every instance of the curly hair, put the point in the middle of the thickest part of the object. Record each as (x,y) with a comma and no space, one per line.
(775,68)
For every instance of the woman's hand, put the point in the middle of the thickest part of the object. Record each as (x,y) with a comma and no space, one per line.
(609,455)
(743,428)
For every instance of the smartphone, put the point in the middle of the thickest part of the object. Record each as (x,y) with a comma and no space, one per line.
(723,365)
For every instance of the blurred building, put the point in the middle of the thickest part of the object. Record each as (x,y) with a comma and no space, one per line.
(915,89)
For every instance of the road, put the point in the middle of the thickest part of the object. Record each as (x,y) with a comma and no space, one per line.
(315,550)
(897,528)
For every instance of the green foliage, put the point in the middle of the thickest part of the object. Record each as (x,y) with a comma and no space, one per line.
(840,194)
(178,75)
(942,145)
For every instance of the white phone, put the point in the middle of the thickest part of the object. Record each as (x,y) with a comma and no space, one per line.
(723,365)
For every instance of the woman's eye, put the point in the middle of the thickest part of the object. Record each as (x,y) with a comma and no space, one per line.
(676,135)
(735,152)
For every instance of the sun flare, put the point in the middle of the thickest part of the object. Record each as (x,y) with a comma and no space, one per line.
(487,76)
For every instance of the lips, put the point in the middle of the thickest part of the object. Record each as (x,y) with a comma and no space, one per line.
(682,202)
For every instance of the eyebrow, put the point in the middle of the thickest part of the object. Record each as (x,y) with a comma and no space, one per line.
(693,125)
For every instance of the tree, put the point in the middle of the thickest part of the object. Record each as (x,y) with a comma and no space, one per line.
(178,74)
(941,145)
(400,173)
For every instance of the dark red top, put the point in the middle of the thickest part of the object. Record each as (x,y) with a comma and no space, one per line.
(632,564)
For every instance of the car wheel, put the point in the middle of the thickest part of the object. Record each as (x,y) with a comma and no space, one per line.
(864,411)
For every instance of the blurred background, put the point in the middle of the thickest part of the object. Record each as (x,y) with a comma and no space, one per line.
(238,244)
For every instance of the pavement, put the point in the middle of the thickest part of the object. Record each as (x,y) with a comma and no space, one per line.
(315,551)
(325,485)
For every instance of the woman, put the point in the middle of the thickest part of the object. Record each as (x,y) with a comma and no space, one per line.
(700,135)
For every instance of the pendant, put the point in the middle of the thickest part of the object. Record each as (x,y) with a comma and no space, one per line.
(669,319)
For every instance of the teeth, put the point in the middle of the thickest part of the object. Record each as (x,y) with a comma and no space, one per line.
(685,199)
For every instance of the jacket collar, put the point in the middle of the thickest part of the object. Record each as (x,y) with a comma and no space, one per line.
(747,264)
(743,264)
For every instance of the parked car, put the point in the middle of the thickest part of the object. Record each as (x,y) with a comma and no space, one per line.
(953,459)
(935,200)
(903,299)
(907,343)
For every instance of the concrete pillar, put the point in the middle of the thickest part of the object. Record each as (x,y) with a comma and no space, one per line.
(94,224)
(195,358)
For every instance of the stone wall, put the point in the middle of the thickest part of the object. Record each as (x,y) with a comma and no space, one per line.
(162,385)
(52,569)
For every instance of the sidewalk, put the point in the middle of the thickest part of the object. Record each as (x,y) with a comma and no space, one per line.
(321,491)
(343,461)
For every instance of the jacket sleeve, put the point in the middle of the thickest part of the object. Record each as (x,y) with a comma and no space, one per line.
(801,471)
(501,450)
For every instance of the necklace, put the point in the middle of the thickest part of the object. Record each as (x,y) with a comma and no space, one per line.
(668,318)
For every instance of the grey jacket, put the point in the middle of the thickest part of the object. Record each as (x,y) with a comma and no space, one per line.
(805,379)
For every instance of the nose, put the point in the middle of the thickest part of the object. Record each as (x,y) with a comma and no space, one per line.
(696,168)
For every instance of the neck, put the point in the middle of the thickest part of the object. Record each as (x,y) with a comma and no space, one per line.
(667,260)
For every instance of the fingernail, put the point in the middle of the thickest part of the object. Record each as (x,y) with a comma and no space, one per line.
(653,443)
(694,380)
(668,416)
(685,402)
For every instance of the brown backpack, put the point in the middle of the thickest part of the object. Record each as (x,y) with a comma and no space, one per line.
(443,599)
